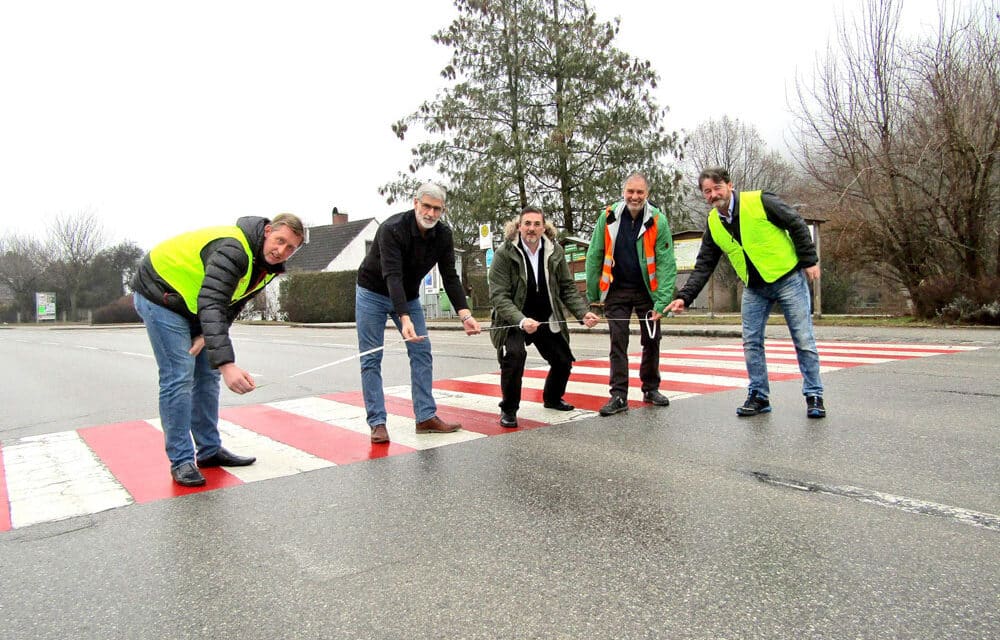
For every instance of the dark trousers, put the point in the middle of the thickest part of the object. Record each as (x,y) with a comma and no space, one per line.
(513,355)
(618,307)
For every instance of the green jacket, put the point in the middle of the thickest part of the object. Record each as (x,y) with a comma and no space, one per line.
(509,284)
(665,262)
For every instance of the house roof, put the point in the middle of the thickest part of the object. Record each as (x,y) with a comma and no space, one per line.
(325,244)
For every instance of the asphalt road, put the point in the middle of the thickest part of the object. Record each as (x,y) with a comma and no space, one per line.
(880,521)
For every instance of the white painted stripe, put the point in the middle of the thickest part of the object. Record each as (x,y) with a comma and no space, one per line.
(528,410)
(583,388)
(867,345)
(274,459)
(700,378)
(347,416)
(57,476)
(735,365)
(898,345)
(138,355)
(777,356)
(827,351)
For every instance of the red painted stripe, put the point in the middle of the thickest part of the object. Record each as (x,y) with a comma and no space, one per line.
(680,368)
(665,385)
(4,499)
(471,420)
(321,439)
(824,360)
(133,452)
(580,400)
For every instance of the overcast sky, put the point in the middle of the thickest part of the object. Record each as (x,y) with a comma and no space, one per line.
(161,117)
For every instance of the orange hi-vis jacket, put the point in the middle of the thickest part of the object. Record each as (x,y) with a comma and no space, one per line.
(648,234)
(654,246)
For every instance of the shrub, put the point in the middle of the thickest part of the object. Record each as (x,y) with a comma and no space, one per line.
(319,297)
(957,299)
(118,312)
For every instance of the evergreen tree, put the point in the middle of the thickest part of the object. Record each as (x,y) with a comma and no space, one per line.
(544,110)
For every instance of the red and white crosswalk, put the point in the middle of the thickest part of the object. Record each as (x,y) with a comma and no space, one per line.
(72,473)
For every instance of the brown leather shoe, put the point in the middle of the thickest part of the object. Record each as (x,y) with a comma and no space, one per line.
(437,425)
(380,434)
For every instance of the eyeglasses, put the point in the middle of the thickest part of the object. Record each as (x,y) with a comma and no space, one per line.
(430,207)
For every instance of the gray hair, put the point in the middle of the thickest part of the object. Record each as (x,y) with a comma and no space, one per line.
(633,176)
(431,189)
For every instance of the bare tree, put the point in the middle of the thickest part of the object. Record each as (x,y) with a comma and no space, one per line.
(22,263)
(738,147)
(73,243)
(903,138)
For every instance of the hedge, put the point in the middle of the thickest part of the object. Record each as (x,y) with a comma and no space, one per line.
(326,296)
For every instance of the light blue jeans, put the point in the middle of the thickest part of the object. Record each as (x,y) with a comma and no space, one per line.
(189,386)
(371,310)
(793,294)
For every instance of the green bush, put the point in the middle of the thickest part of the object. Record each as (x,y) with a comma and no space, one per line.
(120,311)
(326,296)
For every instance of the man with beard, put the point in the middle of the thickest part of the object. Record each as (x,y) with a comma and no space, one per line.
(406,248)
(770,248)
(529,283)
(631,268)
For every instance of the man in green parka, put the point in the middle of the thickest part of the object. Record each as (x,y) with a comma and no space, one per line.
(529,283)
(631,269)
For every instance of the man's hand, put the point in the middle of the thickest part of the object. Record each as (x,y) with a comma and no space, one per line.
(409,333)
(677,306)
(471,327)
(654,315)
(812,273)
(469,323)
(530,325)
(238,380)
(591,319)
(197,345)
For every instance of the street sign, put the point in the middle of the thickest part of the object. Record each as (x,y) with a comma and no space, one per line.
(485,236)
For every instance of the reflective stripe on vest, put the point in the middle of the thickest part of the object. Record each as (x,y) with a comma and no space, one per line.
(769,247)
(178,262)
(648,247)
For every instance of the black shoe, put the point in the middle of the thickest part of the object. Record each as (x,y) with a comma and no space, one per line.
(814,407)
(755,404)
(508,419)
(224,458)
(656,398)
(559,405)
(187,475)
(616,404)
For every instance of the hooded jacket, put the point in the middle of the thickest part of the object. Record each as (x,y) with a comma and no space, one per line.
(509,284)
(662,259)
(226,263)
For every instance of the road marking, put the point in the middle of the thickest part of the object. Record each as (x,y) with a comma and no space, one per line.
(57,476)
(71,473)
(910,505)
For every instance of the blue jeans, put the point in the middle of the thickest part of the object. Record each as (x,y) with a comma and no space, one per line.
(189,386)
(370,312)
(793,294)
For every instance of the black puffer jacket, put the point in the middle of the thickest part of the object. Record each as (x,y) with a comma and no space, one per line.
(225,263)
